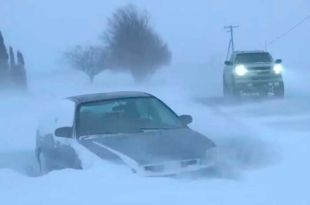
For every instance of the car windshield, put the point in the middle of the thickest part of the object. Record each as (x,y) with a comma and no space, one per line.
(253,58)
(125,116)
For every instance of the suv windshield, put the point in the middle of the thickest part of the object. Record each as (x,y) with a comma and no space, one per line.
(253,58)
(125,115)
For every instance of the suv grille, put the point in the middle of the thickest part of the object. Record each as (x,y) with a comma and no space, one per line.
(266,68)
(259,74)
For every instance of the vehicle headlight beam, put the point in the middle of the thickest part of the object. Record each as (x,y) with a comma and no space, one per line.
(278,69)
(241,70)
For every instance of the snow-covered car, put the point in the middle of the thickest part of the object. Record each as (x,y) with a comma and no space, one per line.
(134,128)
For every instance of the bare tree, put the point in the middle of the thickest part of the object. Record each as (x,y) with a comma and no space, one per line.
(90,60)
(133,44)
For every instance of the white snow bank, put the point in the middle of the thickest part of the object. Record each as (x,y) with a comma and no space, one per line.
(257,162)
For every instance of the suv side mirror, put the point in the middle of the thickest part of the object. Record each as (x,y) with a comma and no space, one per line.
(278,61)
(65,132)
(228,63)
(186,119)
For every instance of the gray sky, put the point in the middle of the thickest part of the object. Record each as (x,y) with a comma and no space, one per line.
(193,29)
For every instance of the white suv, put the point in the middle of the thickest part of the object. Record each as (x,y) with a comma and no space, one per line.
(253,73)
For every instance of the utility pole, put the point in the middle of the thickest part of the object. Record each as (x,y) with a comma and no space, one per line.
(231,45)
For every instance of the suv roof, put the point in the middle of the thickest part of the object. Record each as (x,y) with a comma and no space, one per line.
(245,52)
(107,96)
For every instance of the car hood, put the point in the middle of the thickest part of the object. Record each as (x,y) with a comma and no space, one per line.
(150,147)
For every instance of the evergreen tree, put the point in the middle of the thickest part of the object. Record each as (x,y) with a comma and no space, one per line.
(17,71)
(20,75)
(4,66)
(12,58)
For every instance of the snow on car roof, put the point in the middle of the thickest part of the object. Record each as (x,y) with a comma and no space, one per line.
(107,96)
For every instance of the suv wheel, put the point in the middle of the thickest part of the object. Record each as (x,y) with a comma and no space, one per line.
(230,91)
(225,89)
(279,91)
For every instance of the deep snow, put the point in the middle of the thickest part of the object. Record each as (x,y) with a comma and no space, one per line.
(262,157)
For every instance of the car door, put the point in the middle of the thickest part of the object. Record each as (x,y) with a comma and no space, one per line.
(57,149)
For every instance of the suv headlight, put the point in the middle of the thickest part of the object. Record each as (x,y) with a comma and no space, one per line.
(277,69)
(241,70)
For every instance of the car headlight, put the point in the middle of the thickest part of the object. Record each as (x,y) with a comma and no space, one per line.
(241,70)
(277,69)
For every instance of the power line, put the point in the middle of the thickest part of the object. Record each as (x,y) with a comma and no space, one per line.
(288,31)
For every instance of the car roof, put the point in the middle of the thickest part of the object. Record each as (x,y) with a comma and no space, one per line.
(107,96)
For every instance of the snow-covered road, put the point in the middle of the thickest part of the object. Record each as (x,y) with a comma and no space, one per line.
(262,159)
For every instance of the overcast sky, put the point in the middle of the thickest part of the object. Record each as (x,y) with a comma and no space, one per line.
(193,29)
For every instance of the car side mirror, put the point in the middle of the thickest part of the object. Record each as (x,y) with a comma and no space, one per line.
(278,61)
(186,119)
(65,132)
(228,63)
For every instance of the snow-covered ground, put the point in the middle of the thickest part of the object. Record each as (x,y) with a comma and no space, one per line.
(263,148)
